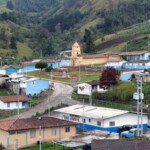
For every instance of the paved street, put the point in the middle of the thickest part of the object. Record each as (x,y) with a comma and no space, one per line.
(62,94)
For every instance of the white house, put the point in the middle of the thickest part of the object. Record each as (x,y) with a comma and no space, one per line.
(136,55)
(11,102)
(100,118)
(95,84)
(115,64)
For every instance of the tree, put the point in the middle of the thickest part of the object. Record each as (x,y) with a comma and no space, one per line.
(3,35)
(49,69)
(10,5)
(13,44)
(89,41)
(41,65)
(110,77)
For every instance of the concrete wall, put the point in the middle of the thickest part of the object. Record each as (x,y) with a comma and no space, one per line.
(2,72)
(93,61)
(129,118)
(91,123)
(24,139)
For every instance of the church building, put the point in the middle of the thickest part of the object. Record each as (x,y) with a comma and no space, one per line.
(91,59)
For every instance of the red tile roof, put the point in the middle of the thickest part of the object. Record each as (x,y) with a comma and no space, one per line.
(14,98)
(33,123)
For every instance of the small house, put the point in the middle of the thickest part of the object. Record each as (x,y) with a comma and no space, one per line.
(28,86)
(34,86)
(100,118)
(135,55)
(115,64)
(7,70)
(127,75)
(96,86)
(11,102)
(25,132)
(136,64)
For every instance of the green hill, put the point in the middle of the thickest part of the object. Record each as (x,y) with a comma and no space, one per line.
(51,26)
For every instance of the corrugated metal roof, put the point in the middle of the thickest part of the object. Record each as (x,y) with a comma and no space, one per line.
(92,111)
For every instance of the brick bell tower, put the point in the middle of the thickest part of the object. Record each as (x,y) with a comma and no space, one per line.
(76,51)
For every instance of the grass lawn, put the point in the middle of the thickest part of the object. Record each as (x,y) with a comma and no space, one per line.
(83,78)
(89,78)
(113,105)
(47,146)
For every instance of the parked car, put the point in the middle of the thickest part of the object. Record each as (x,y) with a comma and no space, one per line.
(129,134)
(125,128)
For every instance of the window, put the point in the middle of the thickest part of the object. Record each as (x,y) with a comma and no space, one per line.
(12,132)
(21,132)
(33,133)
(53,131)
(112,123)
(83,120)
(66,117)
(67,129)
(8,105)
(89,120)
(98,123)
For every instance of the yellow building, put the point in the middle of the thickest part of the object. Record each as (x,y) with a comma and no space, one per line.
(78,59)
(26,132)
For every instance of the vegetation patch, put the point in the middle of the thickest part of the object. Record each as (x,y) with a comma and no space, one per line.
(47,146)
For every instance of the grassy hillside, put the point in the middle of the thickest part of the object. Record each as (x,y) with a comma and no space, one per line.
(50,26)
(138,43)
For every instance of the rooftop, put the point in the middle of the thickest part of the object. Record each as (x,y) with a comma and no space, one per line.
(138,61)
(86,138)
(133,53)
(14,98)
(94,82)
(33,123)
(92,111)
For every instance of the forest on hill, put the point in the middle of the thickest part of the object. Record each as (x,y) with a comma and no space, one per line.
(49,26)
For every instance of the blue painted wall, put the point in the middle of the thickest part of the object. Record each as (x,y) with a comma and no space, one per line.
(36,86)
(54,64)
(27,68)
(11,69)
(126,76)
(88,127)
(143,66)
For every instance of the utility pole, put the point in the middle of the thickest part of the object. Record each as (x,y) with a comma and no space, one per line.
(49,104)
(79,72)
(139,96)
(40,138)
(18,97)
(83,115)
